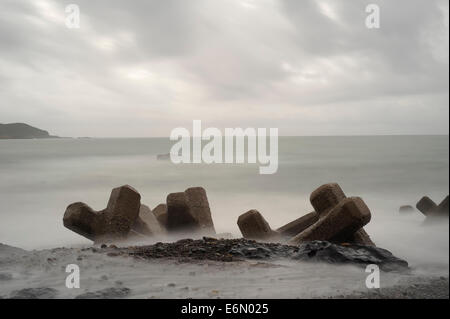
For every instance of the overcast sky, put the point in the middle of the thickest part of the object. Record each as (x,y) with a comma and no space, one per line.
(142,68)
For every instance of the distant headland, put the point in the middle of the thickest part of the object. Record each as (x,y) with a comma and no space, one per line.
(22,131)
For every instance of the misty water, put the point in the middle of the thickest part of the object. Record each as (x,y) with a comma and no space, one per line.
(39,178)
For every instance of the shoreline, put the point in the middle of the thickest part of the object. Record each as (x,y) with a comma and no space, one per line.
(41,274)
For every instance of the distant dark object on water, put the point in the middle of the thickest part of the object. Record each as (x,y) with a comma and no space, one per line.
(163,157)
(22,131)
(406,209)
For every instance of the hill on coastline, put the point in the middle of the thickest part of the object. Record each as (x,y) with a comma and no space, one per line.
(22,131)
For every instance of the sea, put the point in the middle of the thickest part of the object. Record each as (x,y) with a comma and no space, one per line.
(40,178)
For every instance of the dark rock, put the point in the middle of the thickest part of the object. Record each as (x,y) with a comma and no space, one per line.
(253,226)
(361,237)
(179,214)
(342,221)
(434,213)
(160,213)
(108,293)
(425,205)
(324,198)
(83,220)
(321,251)
(406,209)
(199,207)
(441,210)
(110,224)
(226,250)
(297,226)
(189,211)
(229,250)
(35,293)
(444,206)
(124,201)
(439,214)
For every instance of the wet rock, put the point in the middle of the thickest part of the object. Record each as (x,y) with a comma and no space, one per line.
(253,226)
(230,250)
(147,223)
(324,198)
(110,224)
(199,207)
(331,194)
(439,214)
(160,213)
(108,293)
(297,226)
(346,218)
(406,209)
(123,205)
(225,250)
(441,210)
(189,211)
(361,237)
(35,293)
(425,205)
(444,205)
(179,214)
(83,220)
(322,251)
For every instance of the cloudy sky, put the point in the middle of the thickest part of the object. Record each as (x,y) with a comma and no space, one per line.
(142,68)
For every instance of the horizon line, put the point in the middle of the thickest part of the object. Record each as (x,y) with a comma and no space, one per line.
(344,135)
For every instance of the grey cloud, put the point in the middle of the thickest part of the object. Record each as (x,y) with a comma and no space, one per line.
(156,64)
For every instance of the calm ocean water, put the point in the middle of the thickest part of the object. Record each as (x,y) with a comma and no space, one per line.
(39,178)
